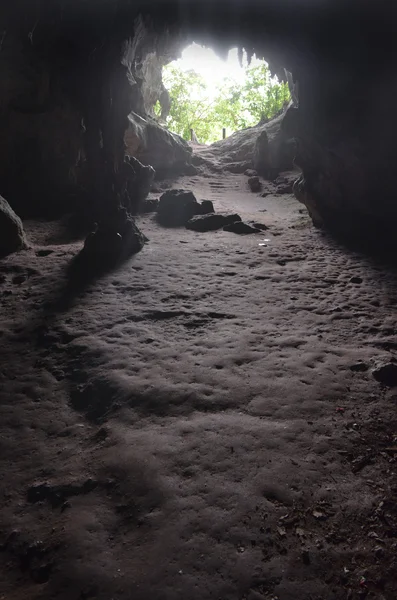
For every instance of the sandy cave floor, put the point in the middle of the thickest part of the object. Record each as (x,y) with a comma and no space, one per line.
(202,422)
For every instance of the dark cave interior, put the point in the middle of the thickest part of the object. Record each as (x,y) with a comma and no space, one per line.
(71,78)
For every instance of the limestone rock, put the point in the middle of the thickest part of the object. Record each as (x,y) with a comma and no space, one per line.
(176,207)
(12,236)
(138,181)
(257,225)
(261,156)
(207,207)
(153,145)
(211,222)
(241,228)
(241,152)
(115,239)
(254,184)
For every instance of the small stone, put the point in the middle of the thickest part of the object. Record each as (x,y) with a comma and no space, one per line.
(251,173)
(386,374)
(356,280)
(207,207)
(379,551)
(211,222)
(319,515)
(241,228)
(257,225)
(254,184)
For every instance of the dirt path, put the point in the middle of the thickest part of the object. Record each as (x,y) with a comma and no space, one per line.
(202,423)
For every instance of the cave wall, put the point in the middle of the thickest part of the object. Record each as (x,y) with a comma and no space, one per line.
(345,127)
(145,54)
(65,102)
(41,132)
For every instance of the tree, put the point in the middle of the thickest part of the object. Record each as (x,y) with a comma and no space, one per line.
(232,106)
(191,107)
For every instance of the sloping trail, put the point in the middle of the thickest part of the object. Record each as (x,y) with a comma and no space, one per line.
(202,422)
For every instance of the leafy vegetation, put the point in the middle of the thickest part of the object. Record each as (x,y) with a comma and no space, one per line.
(231,105)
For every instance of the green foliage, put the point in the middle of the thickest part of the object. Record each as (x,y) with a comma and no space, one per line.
(191,107)
(232,106)
(157,109)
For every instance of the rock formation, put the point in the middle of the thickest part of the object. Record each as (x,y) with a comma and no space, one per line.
(166,152)
(12,237)
(266,147)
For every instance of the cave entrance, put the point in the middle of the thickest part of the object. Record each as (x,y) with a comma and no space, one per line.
(207,98)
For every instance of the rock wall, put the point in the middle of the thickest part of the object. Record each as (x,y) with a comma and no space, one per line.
(238,152)
(345,130)
(41,132)
(64,108)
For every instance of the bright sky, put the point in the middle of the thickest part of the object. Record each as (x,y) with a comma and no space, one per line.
(210,66)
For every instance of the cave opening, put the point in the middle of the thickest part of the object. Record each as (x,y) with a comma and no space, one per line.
(205,97)
(198,381)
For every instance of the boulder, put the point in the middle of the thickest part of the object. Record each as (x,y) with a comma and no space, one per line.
(12,236)
(254,184)
(211,222)
(153,145)
(241,228)
(176,207)
(115,240)
(265,148)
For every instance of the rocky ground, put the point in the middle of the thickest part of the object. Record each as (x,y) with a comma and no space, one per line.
(203,422)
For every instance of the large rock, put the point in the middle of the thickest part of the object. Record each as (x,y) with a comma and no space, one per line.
(267,148)
(12,237)
(176,207)
(153,145)
(116,239)
(211,222)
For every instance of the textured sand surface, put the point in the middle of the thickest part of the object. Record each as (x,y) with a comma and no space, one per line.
(202,423)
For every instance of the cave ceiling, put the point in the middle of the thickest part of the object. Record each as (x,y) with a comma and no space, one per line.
(289,33)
